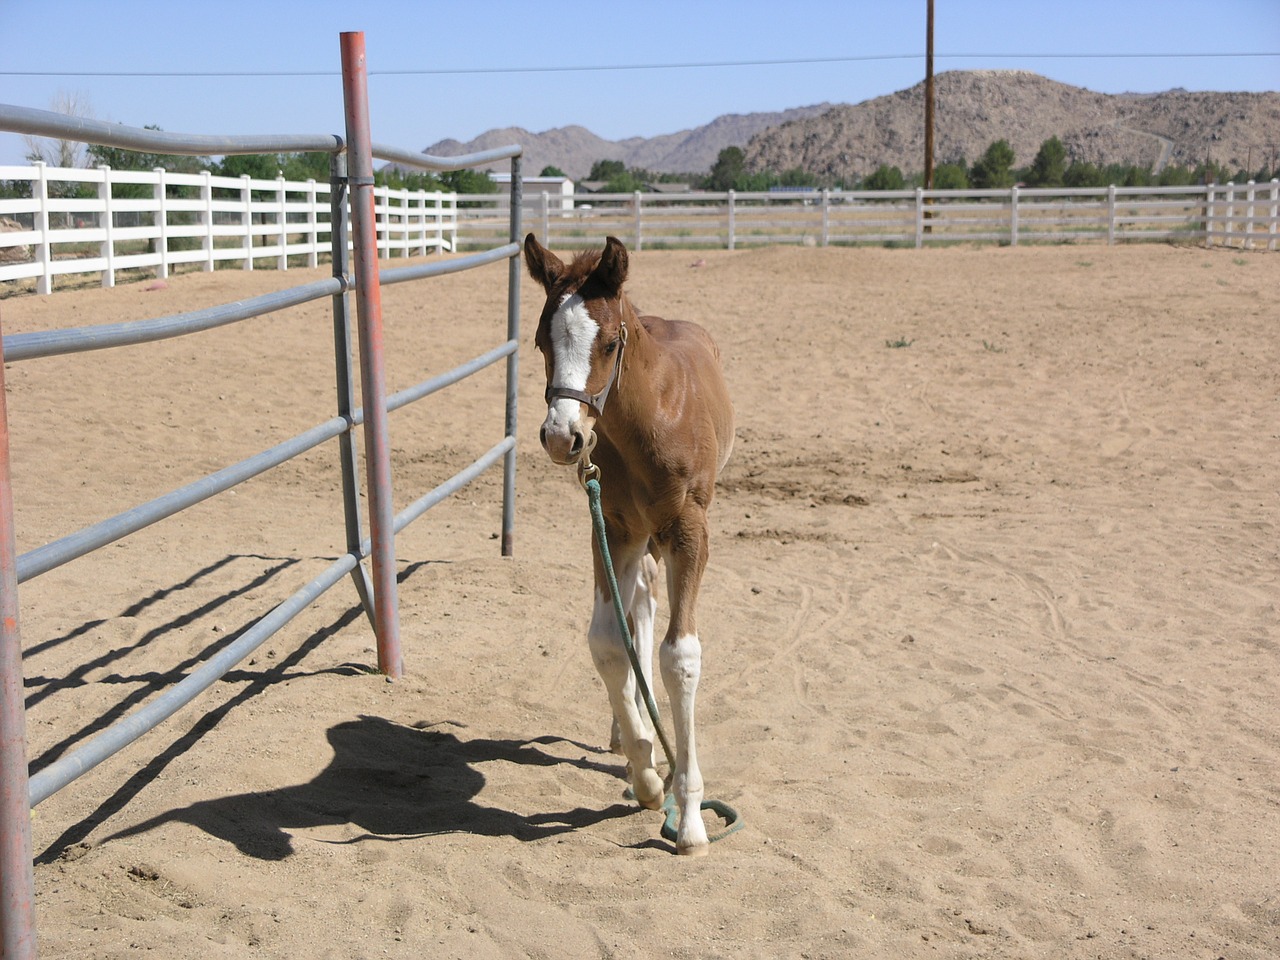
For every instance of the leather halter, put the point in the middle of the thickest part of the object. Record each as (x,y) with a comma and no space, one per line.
(594,400)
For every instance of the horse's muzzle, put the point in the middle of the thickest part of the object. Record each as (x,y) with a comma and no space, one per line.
(564,446)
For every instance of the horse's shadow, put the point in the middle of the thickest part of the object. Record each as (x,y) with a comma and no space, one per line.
(394,783)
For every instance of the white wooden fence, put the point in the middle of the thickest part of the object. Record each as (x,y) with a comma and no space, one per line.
(203,219)
(1217,214)
(191,219)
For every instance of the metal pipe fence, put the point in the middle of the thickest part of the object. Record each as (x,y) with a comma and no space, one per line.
(351,166)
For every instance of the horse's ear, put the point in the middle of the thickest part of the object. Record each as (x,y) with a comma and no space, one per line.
(612,270)
(544,266)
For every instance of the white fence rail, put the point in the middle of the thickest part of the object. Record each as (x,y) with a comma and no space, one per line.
(206,220)
(1243,216)
(190,219)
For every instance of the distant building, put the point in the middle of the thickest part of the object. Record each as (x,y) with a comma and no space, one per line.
(559,189)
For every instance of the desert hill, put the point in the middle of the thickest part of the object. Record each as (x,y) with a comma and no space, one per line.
(974,107)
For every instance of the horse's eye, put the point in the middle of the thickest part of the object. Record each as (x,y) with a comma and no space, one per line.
(611,347)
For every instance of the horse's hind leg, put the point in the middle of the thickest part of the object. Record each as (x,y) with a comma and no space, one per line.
(633,729)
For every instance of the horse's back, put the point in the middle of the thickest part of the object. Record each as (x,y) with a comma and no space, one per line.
(695,349)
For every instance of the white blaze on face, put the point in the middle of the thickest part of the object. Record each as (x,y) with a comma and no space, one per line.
(573,333)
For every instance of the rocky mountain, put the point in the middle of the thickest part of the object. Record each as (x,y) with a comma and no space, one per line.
(975,107)
(575,149)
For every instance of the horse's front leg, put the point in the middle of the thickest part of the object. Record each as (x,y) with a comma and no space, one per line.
(632,729)
(681,658)
(641,613)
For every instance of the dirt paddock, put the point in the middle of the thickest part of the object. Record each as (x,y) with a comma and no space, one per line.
(990,627)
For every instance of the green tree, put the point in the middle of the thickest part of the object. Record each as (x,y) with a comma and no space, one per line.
(1050,165)
(552,171)
(729,168)
(260,166)
(468,181)
(1083,175)
(993,170)
(951,176)
(606,170)
(885,177)
(1175,176)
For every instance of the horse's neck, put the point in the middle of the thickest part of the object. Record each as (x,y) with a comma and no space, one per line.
(631,406)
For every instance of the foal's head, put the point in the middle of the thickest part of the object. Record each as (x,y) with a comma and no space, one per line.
(582,334)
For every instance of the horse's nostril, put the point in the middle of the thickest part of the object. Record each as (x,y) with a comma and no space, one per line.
(577,443)
(542,436)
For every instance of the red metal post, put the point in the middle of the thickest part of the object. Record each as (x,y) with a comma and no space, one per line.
(373,386)
(17,885)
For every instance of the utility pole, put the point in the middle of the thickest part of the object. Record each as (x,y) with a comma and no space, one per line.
(928,101)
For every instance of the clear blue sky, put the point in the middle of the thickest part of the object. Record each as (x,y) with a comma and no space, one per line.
(62,38)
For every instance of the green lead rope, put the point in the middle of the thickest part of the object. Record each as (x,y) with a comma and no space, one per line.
(733,822)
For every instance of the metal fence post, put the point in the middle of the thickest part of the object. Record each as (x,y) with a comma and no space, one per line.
(513,360)
(345,379)
(373,385)
(17,883)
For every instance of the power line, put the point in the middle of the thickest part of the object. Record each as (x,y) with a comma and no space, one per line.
(598,68)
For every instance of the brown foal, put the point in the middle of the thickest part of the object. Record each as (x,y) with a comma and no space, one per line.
(652,394)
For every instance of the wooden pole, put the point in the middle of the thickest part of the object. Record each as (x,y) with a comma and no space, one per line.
(928,100)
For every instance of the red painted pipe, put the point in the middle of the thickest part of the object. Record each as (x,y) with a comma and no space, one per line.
(368,295)
(17,885)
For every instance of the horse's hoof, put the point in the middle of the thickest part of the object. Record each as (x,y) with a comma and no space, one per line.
(647,789)
(701,850)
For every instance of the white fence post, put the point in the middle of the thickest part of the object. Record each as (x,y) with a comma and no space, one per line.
(546,218)
(43,250)
(1248,225)
(639,222)
(206,198)
(282,261)
(919,217)
(246,211)
(162,223)
(313,230)
(1111,215)
(108,223)
(731,224)
(1208,215)
(1013,216)
(1275,209)
(1231,213)
(826,216)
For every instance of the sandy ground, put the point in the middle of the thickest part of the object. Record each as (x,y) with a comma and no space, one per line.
(990,628)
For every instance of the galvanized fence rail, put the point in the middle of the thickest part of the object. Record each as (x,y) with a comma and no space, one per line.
(1243,216)
(352,177)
